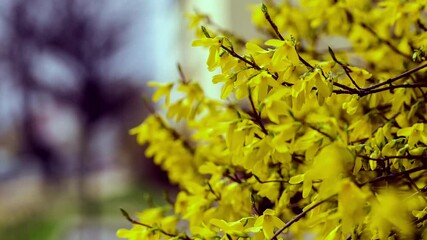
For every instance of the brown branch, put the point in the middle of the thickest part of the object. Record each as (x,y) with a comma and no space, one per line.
(421,25)
(400,76)
(392,87)
(126,215)
(349,89)
(386,158)
(255,66)
(344,67)
(234,178)
(234,54)
(176,135)
(393,175)
(148,106)
(272,24)
(414,185)
(254,204)
(363,93)
(308,65)
(217,196)
(298,217)
(269,181)
(386,42)
(257,116)
(181,74)
(320,131)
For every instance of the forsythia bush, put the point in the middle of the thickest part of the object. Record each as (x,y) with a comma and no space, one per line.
(308,141)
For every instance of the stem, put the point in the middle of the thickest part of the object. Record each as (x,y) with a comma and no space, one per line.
(269,181)
(349,89)
(303,60)
(421,25)
(217,196)
(272,24)
(393,175)
(126,215)
(298,217)
(181,74)
(385,158)
(376,88)
(252,64)
(234,54)
(176,135)
(344,67)
(256,114)
(320,131)
(422,85)
(386,42)
(400,76)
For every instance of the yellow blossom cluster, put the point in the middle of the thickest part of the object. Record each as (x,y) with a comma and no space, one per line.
(305,140)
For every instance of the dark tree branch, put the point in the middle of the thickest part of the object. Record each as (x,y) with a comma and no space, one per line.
(234,54)
(299,216)
(127,216)
(386,42)
(257,115)
(346,69)
(181,74)
(394,175)
(176,135)
(393,79)
(270,21)
(269,181)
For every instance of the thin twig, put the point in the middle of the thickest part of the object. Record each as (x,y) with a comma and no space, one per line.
(176,135)
(181,74)
(385,158)
(344,67)
(217,196)
(303,60)
(392,87)
(421,25)
(338,91)
(400,76)
(254,204)
(234,54)
(349,89)
(126,215)
(386,42)
(393,175)
(320,131)
(255,66)
(376,88)
(414,185)
(298,217)
(148,106)
(258,119)
(269,181)
(272,24)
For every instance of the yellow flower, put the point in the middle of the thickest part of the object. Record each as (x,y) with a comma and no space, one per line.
(214,45)
(389,212)
(414,134)
(162,90)
(351,204)
(137,232)
(284,54)
(352,105)
(268,221)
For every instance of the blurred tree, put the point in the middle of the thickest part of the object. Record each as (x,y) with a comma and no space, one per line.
(76,35)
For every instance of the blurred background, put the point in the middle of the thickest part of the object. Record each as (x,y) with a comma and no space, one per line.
(73,77)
